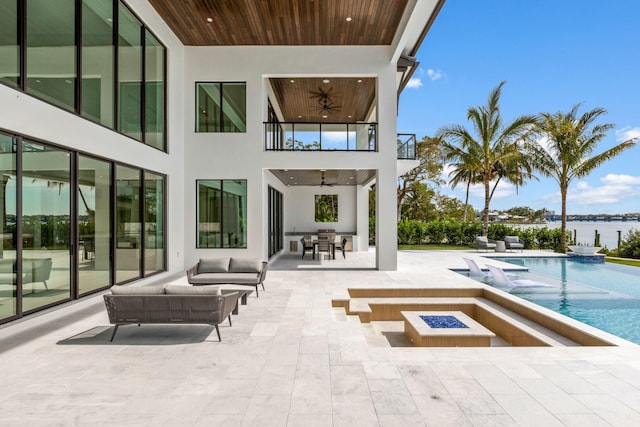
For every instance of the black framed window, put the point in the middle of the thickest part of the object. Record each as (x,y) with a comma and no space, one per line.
(51,51)
(98,61)
(9,43)
(94,58)
(276,223)
(221,107)
(222,213)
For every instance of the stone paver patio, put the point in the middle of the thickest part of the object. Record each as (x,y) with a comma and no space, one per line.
(290,359)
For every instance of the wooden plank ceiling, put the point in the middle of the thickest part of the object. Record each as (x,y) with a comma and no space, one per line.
(324,178)
(282,22)
(348,100)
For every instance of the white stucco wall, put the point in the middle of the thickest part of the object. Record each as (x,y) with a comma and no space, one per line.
(241,155)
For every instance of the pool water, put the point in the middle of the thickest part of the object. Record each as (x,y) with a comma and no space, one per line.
(606,296)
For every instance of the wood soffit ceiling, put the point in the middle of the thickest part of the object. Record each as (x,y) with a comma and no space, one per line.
(332,177)
(282,22)
(351,98)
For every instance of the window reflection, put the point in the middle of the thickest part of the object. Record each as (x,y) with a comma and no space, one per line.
(51,51)
(222,213)
(128,224)
(94,224)
(46,225)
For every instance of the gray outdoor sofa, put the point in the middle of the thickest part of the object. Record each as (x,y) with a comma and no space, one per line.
(228,270)
(176,304)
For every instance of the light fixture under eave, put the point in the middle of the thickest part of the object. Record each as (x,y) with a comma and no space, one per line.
(209,19)
(348,19)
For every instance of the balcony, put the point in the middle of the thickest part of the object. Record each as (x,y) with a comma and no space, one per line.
(406,146)
(288,136)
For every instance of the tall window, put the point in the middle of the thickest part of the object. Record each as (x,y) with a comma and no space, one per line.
(128,224)
(46,225)
(222,107)
(51,51)
(9,43)
(276,225)
(222,213)
(94,224)
(130,73)
(154,92)
(153,222)
(8,224)
(98,58)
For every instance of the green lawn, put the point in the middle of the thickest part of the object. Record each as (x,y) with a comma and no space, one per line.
(624,261)
(433,248)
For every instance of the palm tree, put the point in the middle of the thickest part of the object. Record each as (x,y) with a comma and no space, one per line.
(564,150)
(494,154)
(462,166)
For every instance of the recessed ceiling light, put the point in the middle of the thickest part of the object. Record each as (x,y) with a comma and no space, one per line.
(326,81)
(324,117)
(290,177)
(359,80)
(299,117)
(350,177)
(349,116)
(209,19)
(292,81)
(348,19)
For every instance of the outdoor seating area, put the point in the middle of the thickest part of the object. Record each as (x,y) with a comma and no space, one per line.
(326,242)
(139,305)
(228,270)
(509,243)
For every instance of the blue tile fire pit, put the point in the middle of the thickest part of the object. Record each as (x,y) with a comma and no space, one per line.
(443,322)
(444,329)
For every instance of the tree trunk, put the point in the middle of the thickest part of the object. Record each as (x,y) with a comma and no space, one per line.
(466,202)
(487,199)
(563,227)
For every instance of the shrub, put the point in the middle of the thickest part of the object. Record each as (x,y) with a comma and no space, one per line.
(630,245)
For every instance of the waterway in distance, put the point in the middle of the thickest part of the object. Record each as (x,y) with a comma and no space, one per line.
(586,230)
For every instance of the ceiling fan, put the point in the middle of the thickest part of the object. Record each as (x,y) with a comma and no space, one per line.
(323,183)
(325,103)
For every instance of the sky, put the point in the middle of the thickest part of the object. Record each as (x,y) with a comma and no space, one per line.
(552,54)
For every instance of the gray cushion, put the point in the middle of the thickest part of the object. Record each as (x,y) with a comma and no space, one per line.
(191,290)
(245,265)
(213,265)
(221,278)
(137,290)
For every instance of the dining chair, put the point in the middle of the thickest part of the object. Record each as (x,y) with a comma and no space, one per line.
(307,245)
(324,246)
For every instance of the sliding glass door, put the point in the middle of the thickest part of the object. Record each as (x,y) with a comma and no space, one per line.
(46,225)
(8,232)
(94,224)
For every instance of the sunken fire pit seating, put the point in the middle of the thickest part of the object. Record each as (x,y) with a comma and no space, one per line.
(176,304)
(234,271)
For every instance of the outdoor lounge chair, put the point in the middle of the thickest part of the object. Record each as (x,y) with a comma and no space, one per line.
(501,279)
(474,268)
(513,242)
(483,242)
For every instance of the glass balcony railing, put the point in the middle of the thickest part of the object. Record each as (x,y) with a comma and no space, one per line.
(406,146)
(287,136)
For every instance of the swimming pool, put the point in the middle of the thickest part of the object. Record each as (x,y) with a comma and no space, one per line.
(606,296)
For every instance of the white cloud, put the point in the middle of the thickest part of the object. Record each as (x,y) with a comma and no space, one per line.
(434,74)
(618,180)
(614,189)
(627,133)
(414,83)
(504,190)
